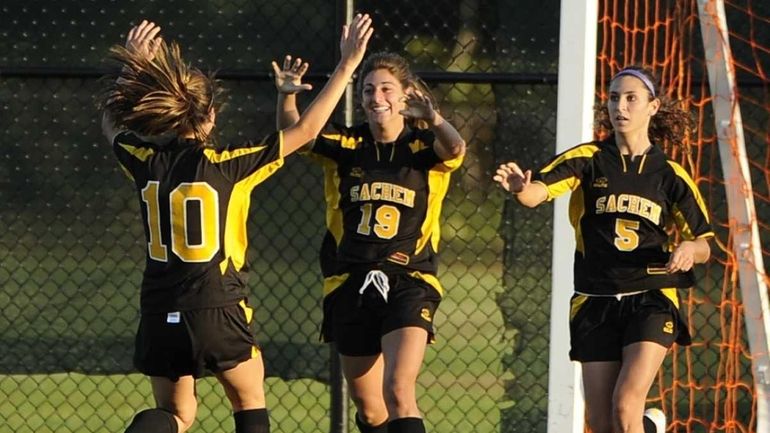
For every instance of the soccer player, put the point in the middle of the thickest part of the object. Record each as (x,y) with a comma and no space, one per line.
(626,196)
(194,198)
(385,180)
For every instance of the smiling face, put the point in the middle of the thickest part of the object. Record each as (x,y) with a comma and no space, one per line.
(629,105)
(382,97)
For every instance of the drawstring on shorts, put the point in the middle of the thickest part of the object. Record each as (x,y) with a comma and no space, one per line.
(377,279)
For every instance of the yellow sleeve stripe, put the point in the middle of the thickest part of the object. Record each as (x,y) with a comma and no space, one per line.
(682,173)
(125,171)
(451,164)
(583,151)
(140,153)
(681,222)
(226,155)
(556,189)
(438,184)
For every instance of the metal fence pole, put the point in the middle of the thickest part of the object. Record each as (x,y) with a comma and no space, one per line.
(338,417)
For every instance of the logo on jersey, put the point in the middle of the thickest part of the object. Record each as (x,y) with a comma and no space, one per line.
(668,327)
(399,257)
(357,172)
(425,314)
(601,182)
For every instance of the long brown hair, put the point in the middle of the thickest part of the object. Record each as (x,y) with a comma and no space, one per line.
(671,125)
(399,68)
(160,95)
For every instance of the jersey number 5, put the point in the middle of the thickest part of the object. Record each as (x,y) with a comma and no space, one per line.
(179,218)
(626,237)
(386,221)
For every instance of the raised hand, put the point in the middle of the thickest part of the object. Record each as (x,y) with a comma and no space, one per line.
(418,106)
(143,39)
(354,39)
(512,178)
(288,80)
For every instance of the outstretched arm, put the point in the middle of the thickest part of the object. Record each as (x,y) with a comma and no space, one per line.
(353,46)
(143,39)
(449,144)
(512,179)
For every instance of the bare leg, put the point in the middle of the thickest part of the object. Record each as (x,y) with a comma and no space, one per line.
(178,397)
(641,362)
(403,351)
(244,384)
(599,379)
(364,376)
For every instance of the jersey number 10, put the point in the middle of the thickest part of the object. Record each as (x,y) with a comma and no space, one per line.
(178,199)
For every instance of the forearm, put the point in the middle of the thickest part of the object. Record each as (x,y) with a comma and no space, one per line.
(318,112)
(532,195)
(449,144)
(286,110)
(702,250)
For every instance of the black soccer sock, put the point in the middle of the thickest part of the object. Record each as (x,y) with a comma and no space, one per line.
(406,425)
(368,428)
(153,421)
(252,421)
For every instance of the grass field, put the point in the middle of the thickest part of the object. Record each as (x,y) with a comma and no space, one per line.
(71,298)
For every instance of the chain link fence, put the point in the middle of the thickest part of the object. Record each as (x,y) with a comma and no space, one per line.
(72,251)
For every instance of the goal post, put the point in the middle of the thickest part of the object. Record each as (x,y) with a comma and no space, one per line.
(746,247)
(574,125)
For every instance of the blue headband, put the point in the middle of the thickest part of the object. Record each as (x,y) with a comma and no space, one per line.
(640,75)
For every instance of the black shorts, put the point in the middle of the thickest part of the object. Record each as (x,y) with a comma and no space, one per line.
(187,343)
(356,322)
(601,326)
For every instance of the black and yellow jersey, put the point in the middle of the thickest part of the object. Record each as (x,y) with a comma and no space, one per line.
(194,203)
(624,212)
(383,201)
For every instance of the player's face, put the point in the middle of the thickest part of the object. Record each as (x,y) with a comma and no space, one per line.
(629,105)
(382,98)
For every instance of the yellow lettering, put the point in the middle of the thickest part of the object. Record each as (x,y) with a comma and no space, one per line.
(409,198)
(387,191)
(622,202)
(375,191)
(655,215)
(383,191)
(600,205)
(629,203)
(633,204)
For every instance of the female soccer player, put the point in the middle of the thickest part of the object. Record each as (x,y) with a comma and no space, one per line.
(386,179)
(626,195)
(194,199)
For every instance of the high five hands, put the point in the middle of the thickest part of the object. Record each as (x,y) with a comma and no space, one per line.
(418,106)
(143,39)
(353,41)
(288,80)
(511,177)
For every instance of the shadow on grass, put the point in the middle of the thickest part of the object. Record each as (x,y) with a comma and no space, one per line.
(284,360)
